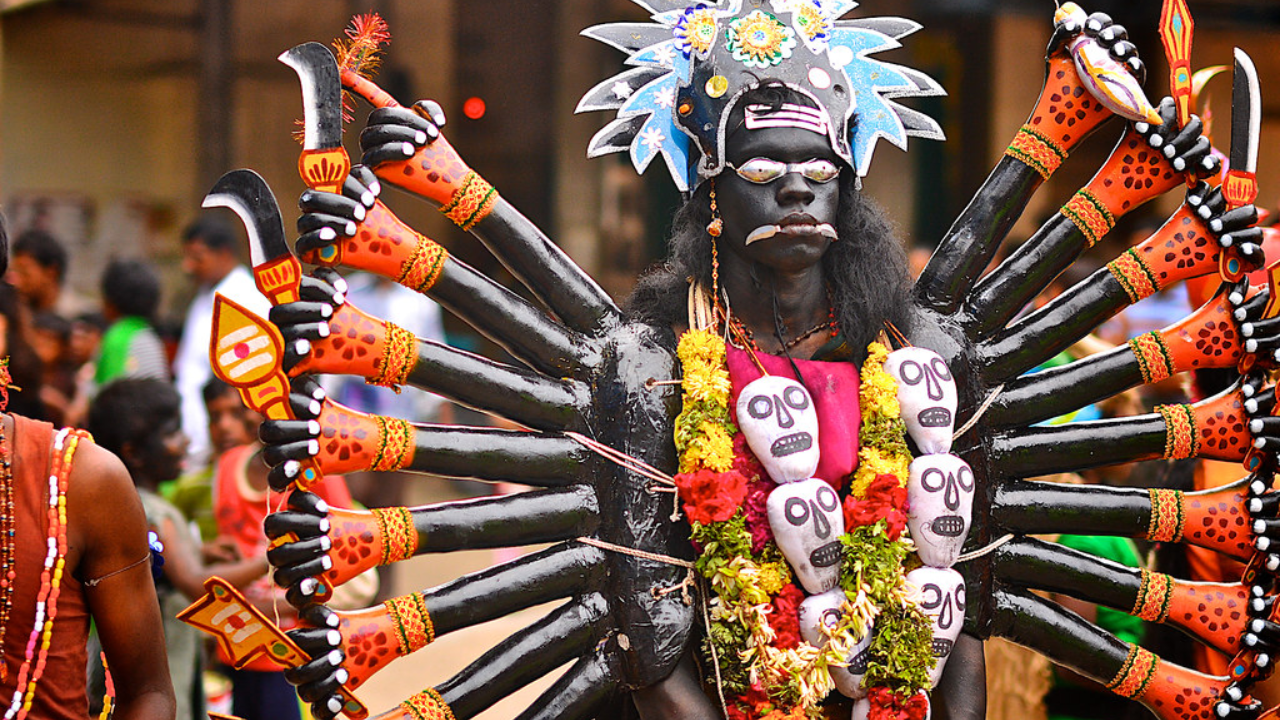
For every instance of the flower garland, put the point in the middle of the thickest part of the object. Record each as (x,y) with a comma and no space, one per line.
(766,669)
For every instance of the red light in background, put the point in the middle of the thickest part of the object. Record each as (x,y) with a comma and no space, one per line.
(474,108)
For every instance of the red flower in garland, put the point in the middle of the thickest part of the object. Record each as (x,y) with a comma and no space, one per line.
(885,705)
(885,499)
(785,620)
(710,496)
(744,461)
(756,510)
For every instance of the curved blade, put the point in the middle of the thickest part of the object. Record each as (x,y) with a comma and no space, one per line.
(275,269)
(1246,115)
(321,94)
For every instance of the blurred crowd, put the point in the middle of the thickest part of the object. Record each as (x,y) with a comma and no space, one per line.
(144,388)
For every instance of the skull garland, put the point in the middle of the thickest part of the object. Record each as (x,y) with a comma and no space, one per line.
(939,507)
(778,418)
(942,600)
(819,615)
(927,392)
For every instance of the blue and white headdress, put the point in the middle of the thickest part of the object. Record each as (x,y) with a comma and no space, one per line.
(692,66)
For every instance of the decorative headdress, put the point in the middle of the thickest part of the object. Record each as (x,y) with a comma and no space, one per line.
(693,66)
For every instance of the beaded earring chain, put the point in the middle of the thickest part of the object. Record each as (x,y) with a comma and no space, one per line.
(64,449)
(7,539)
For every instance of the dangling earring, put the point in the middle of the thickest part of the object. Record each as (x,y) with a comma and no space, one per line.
(716,226)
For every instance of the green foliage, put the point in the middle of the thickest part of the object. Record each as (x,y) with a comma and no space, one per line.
(872,559)
(901,652)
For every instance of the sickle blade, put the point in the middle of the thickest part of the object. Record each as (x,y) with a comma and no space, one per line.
(321,94)
(1246,115)
(275,269)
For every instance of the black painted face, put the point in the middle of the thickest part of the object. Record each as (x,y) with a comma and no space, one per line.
(793,202)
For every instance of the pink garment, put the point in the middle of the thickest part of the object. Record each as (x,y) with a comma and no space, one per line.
(834,387)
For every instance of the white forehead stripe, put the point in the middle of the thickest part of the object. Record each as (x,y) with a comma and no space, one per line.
(788,115)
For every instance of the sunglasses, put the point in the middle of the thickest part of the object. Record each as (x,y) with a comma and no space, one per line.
(764,170)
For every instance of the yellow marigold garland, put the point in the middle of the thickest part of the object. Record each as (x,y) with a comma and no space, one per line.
(744,585)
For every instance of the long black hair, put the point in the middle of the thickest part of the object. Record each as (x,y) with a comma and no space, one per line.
(866,269)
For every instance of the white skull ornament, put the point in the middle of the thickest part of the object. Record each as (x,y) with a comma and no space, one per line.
(777,417)
(819,611)
(807,523)
(927,394)
(942,599)
(939,507)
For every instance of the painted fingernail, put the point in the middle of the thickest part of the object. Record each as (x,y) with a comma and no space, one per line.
(1208,163)
(1156,141)
(326,563)
(1240,314)
(324,525)
(1273,562)
(1251,406)
(1256,625)
(1226,241)
(335,704)
(308,586)
(368,199)
(1262,660)
(1236,298)
(341,285)
(324,330)
(375,187)
(335,656)
(1255,505)
(1276,355)
(332,620)
(1248,391)
(322,506)
(1247,329)
(1259,443)
(1195,198)
(1251,346)
(313,428)
(335,639)
(326,311)
(1262,543)
(359,212)
(291,468)
(1259,527)
(1257,487)
(420,138)
(342,676)
(349,229)
(313,448)
(327,234)
(302,346)
(339,298)
(1215,225)
(406,149)
(1255,426)
(325,543)
(1170,151)
(1250,639)
(1142,127)
(1180,165)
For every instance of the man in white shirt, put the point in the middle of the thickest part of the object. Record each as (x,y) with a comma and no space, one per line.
(210,257)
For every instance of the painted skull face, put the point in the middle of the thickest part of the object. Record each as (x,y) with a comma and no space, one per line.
(942,599)
(824,611)
(777,417)
(807,523)
(939,507)
(927,393)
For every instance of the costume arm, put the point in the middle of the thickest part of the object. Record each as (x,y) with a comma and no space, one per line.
(355,230)
(106,519)
(405,148)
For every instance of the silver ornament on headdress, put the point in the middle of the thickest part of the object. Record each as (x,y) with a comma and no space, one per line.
(693,65)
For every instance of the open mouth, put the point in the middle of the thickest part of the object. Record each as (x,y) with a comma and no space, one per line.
(858,663)
(935,417)
(803,226)
(791,444)
(948,526)
(942,647)
(826,556)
